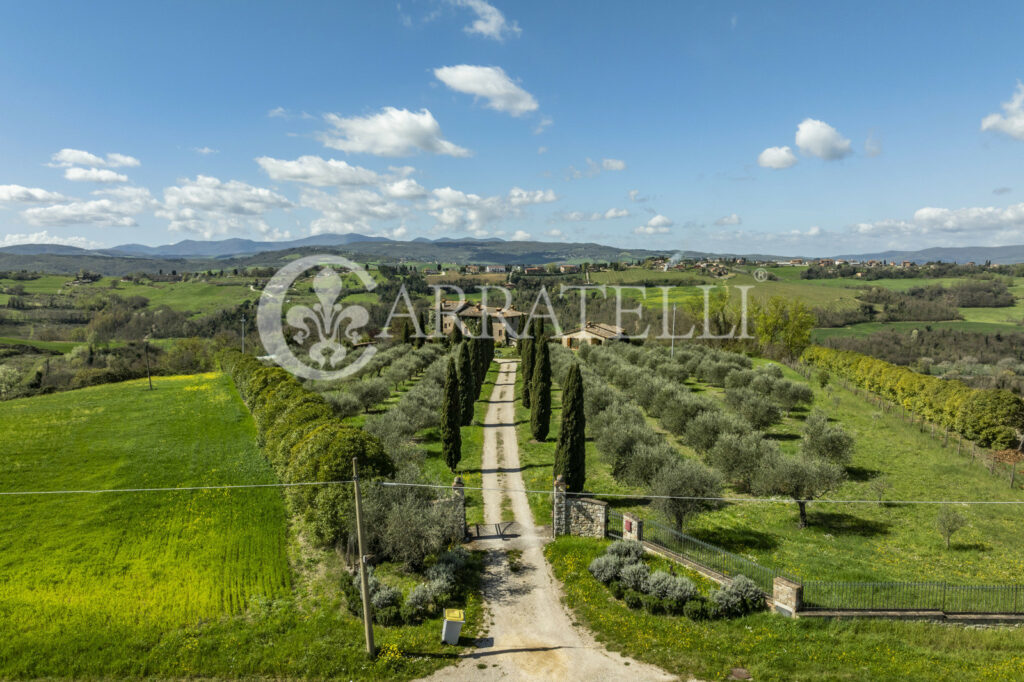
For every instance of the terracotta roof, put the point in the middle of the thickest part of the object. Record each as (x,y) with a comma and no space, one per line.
(605,331)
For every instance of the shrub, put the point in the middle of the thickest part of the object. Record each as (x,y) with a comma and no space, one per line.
(653,604)
(696,609)
(633,598)
(739,598)
(630,551)
(670,587)
(634,576)
(418,604)
(605,567)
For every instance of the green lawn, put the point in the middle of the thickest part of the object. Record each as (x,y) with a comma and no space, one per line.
(775,648)
(169,584)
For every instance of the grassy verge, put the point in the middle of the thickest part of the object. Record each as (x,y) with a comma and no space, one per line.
(776,648)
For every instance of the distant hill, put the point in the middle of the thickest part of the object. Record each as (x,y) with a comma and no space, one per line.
(191,248)
(999,255)
(202,255)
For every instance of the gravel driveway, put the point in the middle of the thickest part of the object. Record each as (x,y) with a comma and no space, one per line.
(530,636)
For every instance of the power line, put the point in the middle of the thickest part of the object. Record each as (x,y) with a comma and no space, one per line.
(167,490)
(397,484)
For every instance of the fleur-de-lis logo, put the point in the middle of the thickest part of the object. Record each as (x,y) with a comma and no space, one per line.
(327,317)
(327,321)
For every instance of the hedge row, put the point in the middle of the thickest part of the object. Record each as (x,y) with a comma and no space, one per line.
(991,417)
(305,441)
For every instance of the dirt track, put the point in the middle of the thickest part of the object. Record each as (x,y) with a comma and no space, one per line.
(530,636)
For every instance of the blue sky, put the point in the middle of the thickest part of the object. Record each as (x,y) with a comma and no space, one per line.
(790,128)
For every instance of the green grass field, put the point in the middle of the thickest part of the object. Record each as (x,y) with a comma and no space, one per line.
(78,565)
(170,584)
(775,648)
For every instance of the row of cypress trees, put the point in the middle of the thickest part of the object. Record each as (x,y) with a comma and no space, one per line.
(467,369)
(570,451)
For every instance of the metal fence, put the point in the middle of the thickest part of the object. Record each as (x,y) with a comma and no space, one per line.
(715,558)
(913,597)
(614,529)
(846,596)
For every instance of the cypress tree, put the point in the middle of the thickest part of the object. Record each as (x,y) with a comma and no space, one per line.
(419,340)
(451,417)
(570,454)
(540,393)
(456,336)
(407,333)
(526,365)
(466,383)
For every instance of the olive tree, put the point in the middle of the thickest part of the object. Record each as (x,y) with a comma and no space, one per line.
(800,478)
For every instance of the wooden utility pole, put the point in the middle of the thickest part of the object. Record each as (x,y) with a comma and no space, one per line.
(364,582)
(673,352)
(145,347)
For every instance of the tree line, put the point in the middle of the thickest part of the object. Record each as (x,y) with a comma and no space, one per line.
(990,417)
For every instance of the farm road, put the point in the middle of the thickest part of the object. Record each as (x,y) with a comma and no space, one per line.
(531,636)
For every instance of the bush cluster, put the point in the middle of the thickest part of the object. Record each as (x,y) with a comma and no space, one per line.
(424,601)
(623,570)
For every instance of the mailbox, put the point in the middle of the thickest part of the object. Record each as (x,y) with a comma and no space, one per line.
(629,526)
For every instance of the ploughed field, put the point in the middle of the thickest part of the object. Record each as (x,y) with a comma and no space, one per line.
(82,571)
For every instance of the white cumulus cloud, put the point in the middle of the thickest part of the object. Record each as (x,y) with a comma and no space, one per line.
(489,22)
(731,219)
(115,208)
(659,224)
(316,171)
(613,164)
(777,158)
(77,157)
(1011,121)
(392,132)
(94,175)
(210,206)
(817,138)
(29,195)
(490,83)
(521,236)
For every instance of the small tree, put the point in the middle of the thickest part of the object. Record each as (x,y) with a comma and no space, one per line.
(949,521)
(826,441)
(800,478)
(451,418)
(464,366)
(540,390)
(879,486)
(685,478)
(571,454)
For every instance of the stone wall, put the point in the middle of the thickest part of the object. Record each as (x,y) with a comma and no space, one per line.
(577,515)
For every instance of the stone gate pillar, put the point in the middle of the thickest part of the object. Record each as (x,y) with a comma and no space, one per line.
(632,528)
(559,510)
